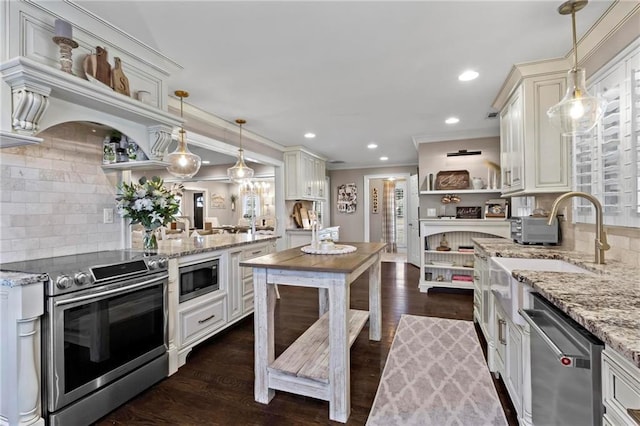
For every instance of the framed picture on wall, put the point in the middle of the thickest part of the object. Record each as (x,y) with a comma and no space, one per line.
(347,198)
(217,201)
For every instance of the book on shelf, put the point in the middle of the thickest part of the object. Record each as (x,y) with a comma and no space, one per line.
(465,250)
(465,278)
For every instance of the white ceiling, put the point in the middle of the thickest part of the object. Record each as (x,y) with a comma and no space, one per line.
(352,72)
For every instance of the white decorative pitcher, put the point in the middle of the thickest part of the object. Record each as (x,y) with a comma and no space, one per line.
(478,183)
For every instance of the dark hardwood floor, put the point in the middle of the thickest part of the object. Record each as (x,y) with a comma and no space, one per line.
(215,387)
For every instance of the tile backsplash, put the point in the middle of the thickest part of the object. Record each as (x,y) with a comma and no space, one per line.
(52,196)
(624,241)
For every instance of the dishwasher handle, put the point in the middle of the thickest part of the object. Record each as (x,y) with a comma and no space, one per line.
(566,360)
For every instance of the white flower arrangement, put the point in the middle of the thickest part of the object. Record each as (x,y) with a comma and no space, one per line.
(148,202)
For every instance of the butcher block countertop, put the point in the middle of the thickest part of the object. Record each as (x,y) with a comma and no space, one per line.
(296,259)
(607,303)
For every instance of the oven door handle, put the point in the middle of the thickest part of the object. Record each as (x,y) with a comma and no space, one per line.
(112,291)
(567,360)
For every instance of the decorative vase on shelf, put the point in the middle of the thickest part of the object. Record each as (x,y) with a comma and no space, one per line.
(149,241)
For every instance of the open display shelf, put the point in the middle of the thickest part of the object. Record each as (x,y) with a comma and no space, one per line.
(440,268)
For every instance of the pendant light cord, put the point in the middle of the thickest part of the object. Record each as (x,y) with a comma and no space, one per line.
(240,122)
(575,41)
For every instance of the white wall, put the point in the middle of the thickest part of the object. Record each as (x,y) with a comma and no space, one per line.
(53,195)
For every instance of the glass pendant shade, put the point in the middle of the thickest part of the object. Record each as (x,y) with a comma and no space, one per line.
(182,162)
(240,172)
(578,112)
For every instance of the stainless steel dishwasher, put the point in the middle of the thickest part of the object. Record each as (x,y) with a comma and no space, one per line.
(566,385)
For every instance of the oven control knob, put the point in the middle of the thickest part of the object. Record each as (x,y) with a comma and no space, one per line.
(153,264)
(82,278)
(63,282)
(162,262)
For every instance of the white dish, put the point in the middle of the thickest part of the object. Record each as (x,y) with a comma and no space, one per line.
(337,249)
(441,263)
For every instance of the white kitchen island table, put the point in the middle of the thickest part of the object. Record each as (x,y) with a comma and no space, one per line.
(318,363)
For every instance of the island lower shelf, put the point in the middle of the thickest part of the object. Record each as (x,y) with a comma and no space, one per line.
(305,364)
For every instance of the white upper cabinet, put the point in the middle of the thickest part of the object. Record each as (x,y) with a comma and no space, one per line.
(535,157)
(304,176)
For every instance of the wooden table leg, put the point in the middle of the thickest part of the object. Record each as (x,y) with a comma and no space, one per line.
(375,304)
(264,305)
(339,360)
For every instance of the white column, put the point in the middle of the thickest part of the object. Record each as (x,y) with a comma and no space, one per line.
(172,301)
(21,307)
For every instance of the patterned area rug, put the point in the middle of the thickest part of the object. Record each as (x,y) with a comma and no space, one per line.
(436,375)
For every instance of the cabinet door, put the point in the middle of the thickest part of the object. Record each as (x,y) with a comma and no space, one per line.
(234,292)
(319,178)
(293,183)
(547,150)
(308,170)
(513,367)
(517,142)
(511,143)
(500,337)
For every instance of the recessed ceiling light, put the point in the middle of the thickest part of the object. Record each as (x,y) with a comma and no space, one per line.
(468,75)
(452,120)
(372,146)
(206,162)
(309,135)
(384,158)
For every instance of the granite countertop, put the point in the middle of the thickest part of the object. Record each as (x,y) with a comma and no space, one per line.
(606,303)
(309,229)
(15,279)
(193,245)
(171,248)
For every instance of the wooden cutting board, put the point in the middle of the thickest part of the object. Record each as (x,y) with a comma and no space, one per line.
(120,82)
(103,69)
(304,216)
(297,218)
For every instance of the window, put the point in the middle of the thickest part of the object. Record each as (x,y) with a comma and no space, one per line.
(250,205)
(607,160)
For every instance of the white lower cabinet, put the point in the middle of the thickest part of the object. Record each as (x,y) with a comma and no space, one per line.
(511,359)
(513,364)
(241,299)
(620,389)
(500,338)
(201,318)
(198,319)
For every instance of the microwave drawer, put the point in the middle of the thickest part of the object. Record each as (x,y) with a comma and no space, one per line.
(201,318)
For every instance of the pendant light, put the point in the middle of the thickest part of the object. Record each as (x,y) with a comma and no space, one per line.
(240,171)
(578,112)
(182,162)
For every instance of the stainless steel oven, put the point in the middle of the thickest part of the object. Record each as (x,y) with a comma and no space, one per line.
(104,331)
(199,278)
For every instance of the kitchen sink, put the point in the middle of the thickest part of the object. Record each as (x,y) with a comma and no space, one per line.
(513,295)
(510,264)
